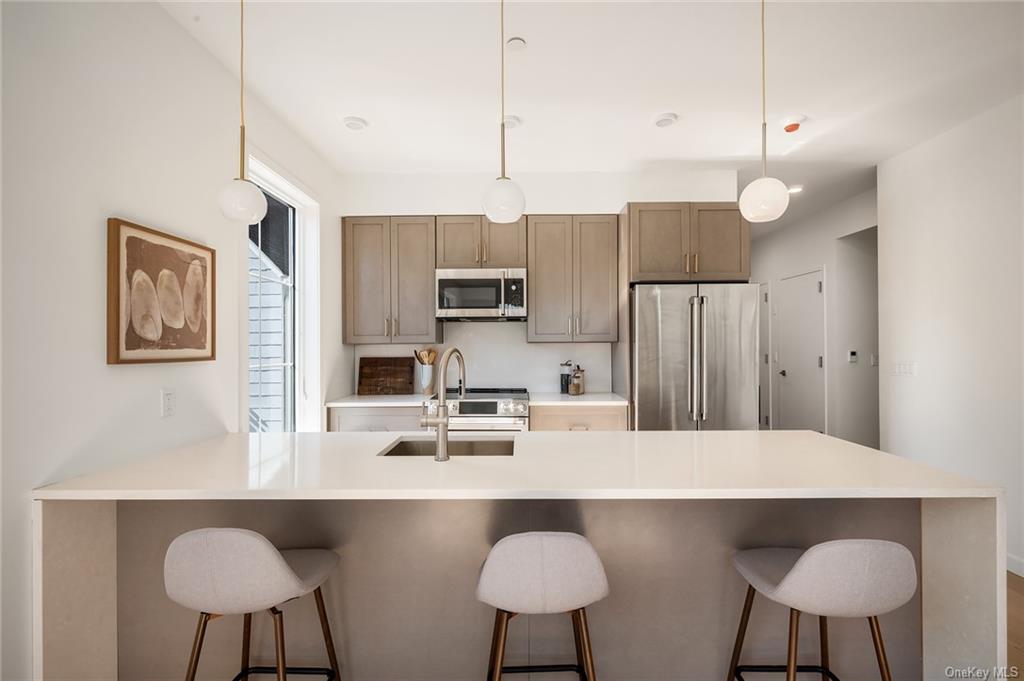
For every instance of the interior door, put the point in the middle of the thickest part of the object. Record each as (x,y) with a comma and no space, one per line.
(799,328)
(728,373)
(662,397)
(764,362)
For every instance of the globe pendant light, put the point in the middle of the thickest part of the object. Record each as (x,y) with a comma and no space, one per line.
(240,200)
(504,201)
(766,198)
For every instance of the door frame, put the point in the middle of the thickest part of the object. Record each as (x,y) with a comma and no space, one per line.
(774,352)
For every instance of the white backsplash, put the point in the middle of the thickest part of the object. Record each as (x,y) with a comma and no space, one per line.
(498,356)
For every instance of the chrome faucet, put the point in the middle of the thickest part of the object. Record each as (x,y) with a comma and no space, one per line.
(440,421)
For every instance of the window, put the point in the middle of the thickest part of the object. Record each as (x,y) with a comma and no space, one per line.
(272,302)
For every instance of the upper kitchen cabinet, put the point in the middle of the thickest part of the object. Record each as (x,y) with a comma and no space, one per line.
(475,241)
(720,242)
(669,242)
(504,245)
(389,280)
(573,271)
(658,238)
(458,241)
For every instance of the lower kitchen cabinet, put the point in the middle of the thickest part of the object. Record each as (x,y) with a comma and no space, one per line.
(373,419)
(578,417)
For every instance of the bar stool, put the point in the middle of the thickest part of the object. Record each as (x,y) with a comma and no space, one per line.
(542,573)
(227,571)
(845,578)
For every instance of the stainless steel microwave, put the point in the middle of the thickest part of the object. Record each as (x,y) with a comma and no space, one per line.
(481,293)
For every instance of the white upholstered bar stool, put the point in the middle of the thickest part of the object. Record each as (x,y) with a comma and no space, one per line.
(227,571)
(542,573)
(844,578)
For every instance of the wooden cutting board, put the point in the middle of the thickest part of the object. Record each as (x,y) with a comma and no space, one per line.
(385,376)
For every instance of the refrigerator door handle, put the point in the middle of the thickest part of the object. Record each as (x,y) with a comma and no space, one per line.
(703,358)
(692,379)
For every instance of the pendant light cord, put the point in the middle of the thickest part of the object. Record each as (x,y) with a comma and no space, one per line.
(764,102)
(501,45)
(241,90)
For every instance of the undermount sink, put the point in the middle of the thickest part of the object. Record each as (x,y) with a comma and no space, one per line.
(491,447)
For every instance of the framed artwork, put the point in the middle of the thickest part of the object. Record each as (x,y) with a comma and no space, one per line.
(161,296)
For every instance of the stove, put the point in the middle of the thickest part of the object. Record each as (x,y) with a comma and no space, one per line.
(486,409)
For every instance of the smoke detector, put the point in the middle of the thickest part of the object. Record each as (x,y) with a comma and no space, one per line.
(355,122)
(793,123)
(515,44)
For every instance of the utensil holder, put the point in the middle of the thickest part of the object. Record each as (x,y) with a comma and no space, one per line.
(425,378)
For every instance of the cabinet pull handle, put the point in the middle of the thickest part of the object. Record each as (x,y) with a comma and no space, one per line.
(387,327)
(686,258)
(568,326)
(696,262)
(477,256)
(577,325)
(394,327)
(579,426)
(485,251)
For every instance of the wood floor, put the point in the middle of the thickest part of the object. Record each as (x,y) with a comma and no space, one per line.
(1015,619)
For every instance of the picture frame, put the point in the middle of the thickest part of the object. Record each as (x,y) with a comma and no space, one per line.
(161,296)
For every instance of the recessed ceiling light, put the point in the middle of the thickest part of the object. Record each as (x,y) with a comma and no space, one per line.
(354,122)
(515,44)
(795,188)
(512,121)
(665,120)
(793,123)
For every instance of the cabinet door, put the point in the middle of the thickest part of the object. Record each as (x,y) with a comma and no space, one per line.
(458,241)
(595,278)
(412,281)
(549,278)
(659,242)
(720,239)
(504,245)
(366,254)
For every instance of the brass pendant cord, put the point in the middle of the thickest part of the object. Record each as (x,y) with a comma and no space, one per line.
(764,102)
(241,90)
(501,44)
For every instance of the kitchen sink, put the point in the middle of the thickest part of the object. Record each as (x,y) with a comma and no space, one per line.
(492,447)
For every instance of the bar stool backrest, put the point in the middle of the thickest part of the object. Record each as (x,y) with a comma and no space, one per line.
(850,578)
(227,571)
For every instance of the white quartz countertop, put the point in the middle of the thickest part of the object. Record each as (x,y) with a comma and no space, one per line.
(588,399)
(414,400)
(545,465)
(536,400)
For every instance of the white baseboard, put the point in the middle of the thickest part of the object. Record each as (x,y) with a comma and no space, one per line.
(1015,565)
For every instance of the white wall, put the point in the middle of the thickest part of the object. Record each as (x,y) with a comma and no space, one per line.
(950,261)
(112,109)
(813,243)
(497,353)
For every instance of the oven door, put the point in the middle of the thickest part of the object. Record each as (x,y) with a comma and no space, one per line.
(462,293)
(464,424)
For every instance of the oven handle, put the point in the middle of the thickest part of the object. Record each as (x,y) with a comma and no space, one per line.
(470,424)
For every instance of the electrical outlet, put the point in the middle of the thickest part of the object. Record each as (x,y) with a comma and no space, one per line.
(168,403)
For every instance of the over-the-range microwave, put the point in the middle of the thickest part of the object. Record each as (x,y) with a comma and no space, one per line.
(481,293)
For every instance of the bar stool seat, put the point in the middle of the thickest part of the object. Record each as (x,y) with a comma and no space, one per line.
(231,571)
(541,573)
(844,578)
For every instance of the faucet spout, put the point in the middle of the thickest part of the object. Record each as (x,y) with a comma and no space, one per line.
(440,421)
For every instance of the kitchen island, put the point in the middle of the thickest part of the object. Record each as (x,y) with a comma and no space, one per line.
(665,510)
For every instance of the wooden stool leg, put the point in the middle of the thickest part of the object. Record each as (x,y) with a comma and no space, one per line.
(246,640)
(197,646)
(498,639)
(794,630)
(741,633)
(823,639)
(578,641)
(876,637)
(332,655)
(588,651)
(282,665)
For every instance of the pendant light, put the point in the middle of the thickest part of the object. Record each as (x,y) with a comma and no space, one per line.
(240,200)
(766,198)
(504,201)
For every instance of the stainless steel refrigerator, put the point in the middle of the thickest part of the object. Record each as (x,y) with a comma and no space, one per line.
(692,357)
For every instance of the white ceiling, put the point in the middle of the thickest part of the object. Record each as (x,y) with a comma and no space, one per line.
(873,78)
